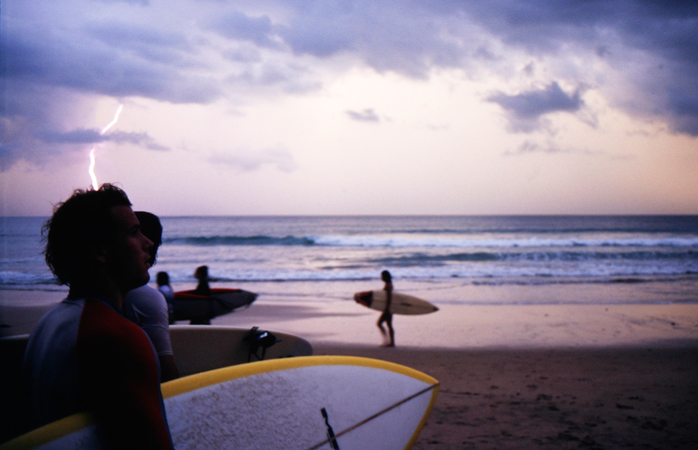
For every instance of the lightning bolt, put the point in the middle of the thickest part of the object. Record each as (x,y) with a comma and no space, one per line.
(91,169)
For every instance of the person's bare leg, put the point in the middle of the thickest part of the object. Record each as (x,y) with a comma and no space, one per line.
(391,332)
(383,332)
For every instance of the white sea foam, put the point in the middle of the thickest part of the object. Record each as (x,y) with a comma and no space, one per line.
(514,242)
(470,251)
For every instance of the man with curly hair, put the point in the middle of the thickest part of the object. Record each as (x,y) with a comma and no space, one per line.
(83,355)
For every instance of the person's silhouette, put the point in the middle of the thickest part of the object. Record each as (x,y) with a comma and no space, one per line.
(387,315)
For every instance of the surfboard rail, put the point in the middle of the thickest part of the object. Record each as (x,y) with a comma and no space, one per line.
(200,380)
(51,432)
(190,305)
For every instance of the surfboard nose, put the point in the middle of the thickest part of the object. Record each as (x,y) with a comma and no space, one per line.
(364,298)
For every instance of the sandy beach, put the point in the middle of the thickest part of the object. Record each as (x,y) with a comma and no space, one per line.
(595,398)
(513,377)
(546,376)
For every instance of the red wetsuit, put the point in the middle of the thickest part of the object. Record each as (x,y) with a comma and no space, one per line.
(83,355)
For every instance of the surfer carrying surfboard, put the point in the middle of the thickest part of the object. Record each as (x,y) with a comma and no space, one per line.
(387,315)
(201,274)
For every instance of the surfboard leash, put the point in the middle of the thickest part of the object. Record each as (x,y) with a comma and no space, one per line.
(368,419)
(330,433)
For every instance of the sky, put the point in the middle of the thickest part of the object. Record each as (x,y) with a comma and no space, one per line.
(352,107)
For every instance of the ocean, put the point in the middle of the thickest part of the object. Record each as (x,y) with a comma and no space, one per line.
(445,259)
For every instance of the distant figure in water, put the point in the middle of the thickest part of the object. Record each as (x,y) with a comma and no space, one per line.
(387,316)
(163,280)
(201,274)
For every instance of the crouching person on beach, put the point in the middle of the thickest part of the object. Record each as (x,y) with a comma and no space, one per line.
(83,355)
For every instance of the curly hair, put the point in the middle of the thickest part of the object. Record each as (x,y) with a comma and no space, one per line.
(76,227)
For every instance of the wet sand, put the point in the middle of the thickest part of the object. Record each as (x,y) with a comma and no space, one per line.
(453,326)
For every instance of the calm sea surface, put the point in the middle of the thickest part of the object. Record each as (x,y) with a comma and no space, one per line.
(456,260)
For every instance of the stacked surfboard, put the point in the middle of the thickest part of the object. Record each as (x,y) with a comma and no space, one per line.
(199,348)
(196,348)
(313,402)
(189,305)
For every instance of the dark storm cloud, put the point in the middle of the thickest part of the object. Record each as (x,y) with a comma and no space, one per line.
(165,47)
(666,31)
(405,37)
(243,54)
(27,110)
(539,24)
(526,108)
(135,2)
(136,48)
(241,27)
(685,111)
(41,64)
(414,37)
(399,36)
(367,115)
(409,37)
(84,136)
(102,63)
(72,137)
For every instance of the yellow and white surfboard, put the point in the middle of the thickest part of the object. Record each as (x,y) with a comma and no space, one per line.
(313,402)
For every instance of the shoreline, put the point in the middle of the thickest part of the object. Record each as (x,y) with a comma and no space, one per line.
(343,322)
